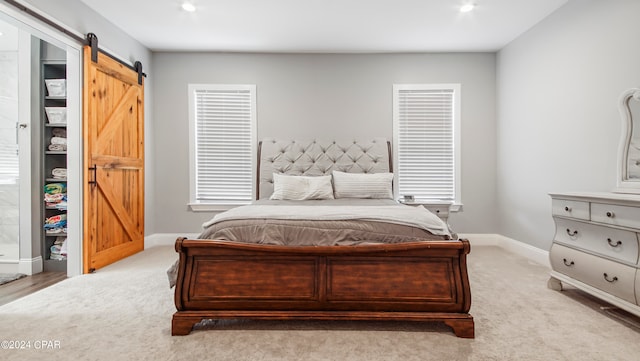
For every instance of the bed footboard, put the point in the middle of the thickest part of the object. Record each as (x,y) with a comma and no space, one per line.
(421,281)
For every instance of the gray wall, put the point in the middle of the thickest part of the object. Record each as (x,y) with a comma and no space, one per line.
(75,15)
(81,18)
(555,87)
(323,95)
(558,124)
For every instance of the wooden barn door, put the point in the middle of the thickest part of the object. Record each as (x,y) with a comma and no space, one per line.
(114,161)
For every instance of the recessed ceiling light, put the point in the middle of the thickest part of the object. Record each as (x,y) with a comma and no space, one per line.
(466,8)
(187,6)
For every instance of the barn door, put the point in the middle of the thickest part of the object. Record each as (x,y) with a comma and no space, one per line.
(113,132)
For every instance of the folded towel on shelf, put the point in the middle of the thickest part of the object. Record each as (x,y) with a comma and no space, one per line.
(62,206)
(59,132)
(57,230)
(55,222)
(55,249)
(59,173)
(57,257)
(54,199)
(54,188)
(58,140)
(56,218)
(57,147)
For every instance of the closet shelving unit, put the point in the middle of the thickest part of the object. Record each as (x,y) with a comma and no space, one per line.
(52,159)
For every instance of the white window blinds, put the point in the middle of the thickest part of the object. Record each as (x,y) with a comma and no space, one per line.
(425,141)
(222,146)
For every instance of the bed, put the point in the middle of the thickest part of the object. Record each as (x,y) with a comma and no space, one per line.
(335,257)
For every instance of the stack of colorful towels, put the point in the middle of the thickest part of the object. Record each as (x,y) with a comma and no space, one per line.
(55,195)
(56,224)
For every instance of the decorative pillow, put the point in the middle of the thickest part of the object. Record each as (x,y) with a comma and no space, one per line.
(362,185)
(300,188)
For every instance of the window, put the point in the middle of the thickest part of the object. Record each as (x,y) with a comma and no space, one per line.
(222,122)
(426,128)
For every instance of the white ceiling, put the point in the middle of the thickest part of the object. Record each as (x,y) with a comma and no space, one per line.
(325,25)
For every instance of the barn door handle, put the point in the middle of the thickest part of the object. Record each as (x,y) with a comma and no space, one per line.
(93,181)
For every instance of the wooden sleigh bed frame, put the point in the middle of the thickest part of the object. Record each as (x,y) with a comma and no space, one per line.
(413,281)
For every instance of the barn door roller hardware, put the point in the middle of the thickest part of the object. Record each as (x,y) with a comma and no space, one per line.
(91,38)
(92,41)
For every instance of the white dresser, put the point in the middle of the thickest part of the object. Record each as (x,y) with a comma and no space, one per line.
(595,247)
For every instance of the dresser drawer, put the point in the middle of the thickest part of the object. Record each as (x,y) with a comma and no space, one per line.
(614,214)
(573,209)
(637,288)
(611,242)
(611,277)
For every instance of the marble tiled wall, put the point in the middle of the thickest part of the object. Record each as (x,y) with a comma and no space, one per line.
(8,115)
(9,189)
(9,221)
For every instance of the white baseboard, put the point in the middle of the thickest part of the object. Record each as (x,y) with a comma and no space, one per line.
(482,239)
(30,266)
(165,239)
(9,266)
(534,254)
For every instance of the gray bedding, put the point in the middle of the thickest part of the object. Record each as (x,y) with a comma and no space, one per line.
(313,232)
(345,222)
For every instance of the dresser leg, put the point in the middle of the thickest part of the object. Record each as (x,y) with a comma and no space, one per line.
(554,284)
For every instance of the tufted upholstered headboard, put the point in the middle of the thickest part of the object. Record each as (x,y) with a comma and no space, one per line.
(319,157)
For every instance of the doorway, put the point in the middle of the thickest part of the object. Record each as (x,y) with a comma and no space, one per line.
(22,146)
(9,148)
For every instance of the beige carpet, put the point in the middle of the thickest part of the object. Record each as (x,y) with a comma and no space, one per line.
(123,312)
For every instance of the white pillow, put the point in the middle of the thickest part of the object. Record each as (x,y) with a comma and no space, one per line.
(362,185)
(300,188)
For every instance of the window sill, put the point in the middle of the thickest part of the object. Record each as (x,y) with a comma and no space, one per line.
(453,207)
(212,207)
(456,207)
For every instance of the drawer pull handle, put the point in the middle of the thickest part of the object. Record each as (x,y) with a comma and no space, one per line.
(567,209)
(610,214)
(572,234)
(612,244)
(606,278)
(568,264)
